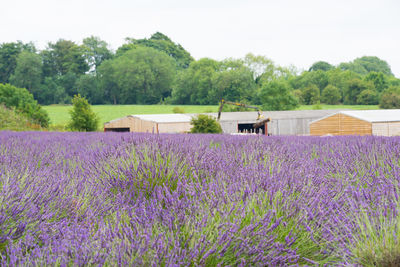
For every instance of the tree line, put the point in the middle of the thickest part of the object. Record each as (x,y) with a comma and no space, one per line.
(157,70)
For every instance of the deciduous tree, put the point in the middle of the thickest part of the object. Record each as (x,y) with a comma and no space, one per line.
(310,95)
(390,98)
(28,72)
(321,65)
(366,64)
(380,80)
(354,88)
(193,84)
(164,44)
(331,95)
(277,95)
(62,57)
(368,97)
(8,58)
(142,76)
(95,51)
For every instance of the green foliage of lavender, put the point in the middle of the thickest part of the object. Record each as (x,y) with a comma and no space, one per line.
(75,199)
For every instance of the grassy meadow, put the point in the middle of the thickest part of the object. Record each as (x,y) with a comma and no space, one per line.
(59,114)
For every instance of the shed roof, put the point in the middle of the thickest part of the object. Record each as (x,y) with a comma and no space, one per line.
(381,115)
(164,118)
(274,115)
(248,116)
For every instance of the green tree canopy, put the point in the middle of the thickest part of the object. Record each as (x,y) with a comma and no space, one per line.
(142,76)
(277,95)
(380,80)
(234,82)
(28,72)
(310,95)
(8,58)
(264,69)
(321,65)
(340,78)
(95,51)
(390,98)
(366,64)
(193,84)
(354,88)
(368,97)
(51,92)
(88,86)
(319,78)
(63,57)
(161,43)
(331,95)
(108,84)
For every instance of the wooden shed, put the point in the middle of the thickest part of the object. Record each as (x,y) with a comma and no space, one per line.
(154,123)
(358,122)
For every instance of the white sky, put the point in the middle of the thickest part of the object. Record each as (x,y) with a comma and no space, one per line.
(289,32)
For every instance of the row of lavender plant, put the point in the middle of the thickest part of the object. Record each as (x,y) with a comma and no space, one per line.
(142,199)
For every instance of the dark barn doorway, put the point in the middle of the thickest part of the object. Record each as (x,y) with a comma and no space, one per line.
(118,130)
(248,128)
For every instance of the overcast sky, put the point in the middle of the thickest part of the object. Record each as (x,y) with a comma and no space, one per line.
(290,32)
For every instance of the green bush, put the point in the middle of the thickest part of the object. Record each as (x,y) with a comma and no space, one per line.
(10,120)
(83,119)
(24,103)
(178,110)
(205,124)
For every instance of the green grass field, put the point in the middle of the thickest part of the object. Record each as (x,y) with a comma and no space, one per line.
(323,106)
(59,114)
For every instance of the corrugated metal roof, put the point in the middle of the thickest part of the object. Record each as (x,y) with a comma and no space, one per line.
(382,115)
(114,120)
(251,116)
(164,118)
(244,117)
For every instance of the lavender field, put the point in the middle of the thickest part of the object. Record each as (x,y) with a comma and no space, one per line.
(80,199)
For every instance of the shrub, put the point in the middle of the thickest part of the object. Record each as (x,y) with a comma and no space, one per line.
(10,120)
(82,117)
(317,106)
(24,103)
(205,124)
(178,110)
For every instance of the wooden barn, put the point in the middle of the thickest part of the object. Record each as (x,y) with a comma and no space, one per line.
(154,123)
(358,122)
